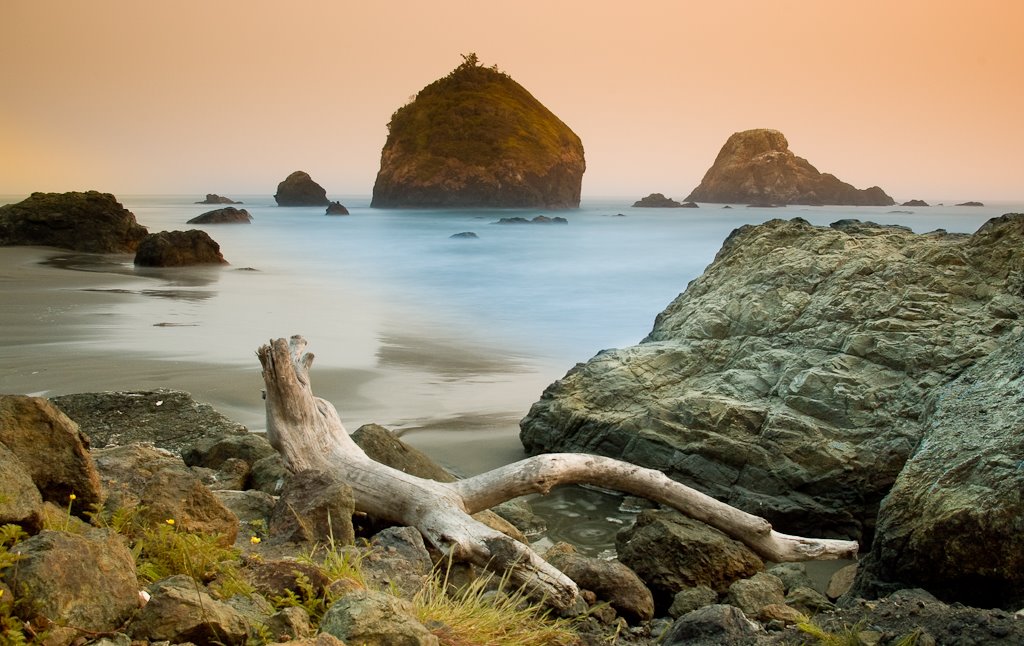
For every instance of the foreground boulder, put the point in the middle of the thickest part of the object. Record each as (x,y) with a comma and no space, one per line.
(21,503)
(52,450)
(476,138)
(299,189)
(790,379)
(91,221)
(85,583)
(227,215)
(671,552)
(179,612)
(162,488)
(952,523)
(178,249)
(757,167)
(169,419)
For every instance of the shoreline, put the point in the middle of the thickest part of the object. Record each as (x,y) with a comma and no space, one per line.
(453,401)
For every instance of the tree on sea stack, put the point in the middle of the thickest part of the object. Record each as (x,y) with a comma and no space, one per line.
(309,434)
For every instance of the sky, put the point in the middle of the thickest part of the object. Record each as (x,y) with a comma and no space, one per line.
(922,98)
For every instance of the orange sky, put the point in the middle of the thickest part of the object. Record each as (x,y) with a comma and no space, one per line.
(923,98)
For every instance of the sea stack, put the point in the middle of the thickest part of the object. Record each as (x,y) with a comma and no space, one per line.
(476,138)
(757,167)
(299,189)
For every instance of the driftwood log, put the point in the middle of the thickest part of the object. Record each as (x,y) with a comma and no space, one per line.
(309,435)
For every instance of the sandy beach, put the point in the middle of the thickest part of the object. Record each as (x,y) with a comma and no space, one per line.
(459,403)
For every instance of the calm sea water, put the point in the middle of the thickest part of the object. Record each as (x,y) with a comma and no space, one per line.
(452,338)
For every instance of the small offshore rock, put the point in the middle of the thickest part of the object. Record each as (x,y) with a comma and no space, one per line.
(336,208)
(299,189)
(659,201)
(227,215)
(971,203)
(178,249)
(213,198)
(464,234)
(915,203)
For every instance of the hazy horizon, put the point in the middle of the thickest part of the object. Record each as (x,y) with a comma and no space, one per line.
(920,98)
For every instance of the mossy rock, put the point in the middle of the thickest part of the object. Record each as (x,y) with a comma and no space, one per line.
(476,138)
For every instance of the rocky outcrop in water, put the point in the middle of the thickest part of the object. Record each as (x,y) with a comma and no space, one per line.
(792,378)
(476,138)
(659,201)
(213,198)
(757,167)
(91,221)
(178,249)
(336,208)
(227,215)
(299,189)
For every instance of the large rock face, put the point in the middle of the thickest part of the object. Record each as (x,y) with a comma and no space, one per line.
(790,379)
(92,221)
(953,521)
(476,138)
(299,189)
(757,167)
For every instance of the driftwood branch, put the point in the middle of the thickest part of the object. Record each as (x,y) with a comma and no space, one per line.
(309,434)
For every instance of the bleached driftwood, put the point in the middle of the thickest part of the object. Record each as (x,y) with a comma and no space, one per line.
(309,434)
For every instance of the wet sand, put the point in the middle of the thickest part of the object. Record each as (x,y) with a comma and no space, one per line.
(461,404)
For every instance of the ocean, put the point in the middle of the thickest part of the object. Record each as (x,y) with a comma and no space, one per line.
(447,341)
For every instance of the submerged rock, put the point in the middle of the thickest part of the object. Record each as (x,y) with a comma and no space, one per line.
(476,138)
(299,189)
(757,167)
(791,378)
(178,249)
(91,221)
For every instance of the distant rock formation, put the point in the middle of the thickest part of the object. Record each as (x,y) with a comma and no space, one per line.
(659,201)
(465,234)
(798,374)
(178,249)
(970,203)
(757,167)
(336,208)
(540,219)
(213,198)
(476,138)
(227,215)
(915,203)
(299,189)
(91,221)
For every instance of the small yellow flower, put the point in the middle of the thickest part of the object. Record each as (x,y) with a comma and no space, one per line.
(72,497)
(169,521)
(255,540)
